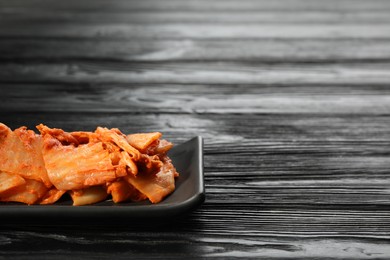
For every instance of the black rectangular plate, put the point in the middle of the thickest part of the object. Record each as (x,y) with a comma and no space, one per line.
(189,193)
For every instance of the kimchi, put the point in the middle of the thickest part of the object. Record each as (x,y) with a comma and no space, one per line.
(87,166)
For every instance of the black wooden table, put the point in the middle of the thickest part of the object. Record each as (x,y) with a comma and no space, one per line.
(291,97)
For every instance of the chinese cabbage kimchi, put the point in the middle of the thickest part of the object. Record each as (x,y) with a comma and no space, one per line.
(88,166)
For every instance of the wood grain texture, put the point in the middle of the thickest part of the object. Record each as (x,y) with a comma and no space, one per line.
(292,98)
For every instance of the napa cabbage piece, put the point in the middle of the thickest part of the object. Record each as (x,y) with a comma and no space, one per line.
(72,168)
(52,196)
(142,141)
(89,195)
(29,193)
(21,154)
(155,186)
(9,181)
(121,191)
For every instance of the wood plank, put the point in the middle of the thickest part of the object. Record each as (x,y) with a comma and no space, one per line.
(192,243)
(195,73)
(250,16)
(200,5)
(194,31)
(199,99)
(261,50)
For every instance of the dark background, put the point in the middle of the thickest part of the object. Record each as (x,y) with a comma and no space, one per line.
(291,97)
